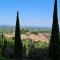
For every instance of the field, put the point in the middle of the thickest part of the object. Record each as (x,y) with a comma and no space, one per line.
(35,41)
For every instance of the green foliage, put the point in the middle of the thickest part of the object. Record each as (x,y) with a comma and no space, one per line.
(33,48)
(4,48)
(3,58)
(23,31)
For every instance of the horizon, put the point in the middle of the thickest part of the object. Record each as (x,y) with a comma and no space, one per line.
(31,13)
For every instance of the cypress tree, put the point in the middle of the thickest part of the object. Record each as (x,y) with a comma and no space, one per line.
(54,47)
(18,48)
(2,38)
(3,50)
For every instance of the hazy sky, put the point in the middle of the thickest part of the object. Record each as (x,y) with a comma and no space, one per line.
(31,12)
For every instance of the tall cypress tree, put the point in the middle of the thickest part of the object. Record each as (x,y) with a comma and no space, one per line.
(54,47)
(18,49)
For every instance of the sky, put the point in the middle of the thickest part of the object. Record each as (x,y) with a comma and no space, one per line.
(31,12)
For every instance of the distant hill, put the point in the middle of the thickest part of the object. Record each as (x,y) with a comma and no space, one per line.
(9,27)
